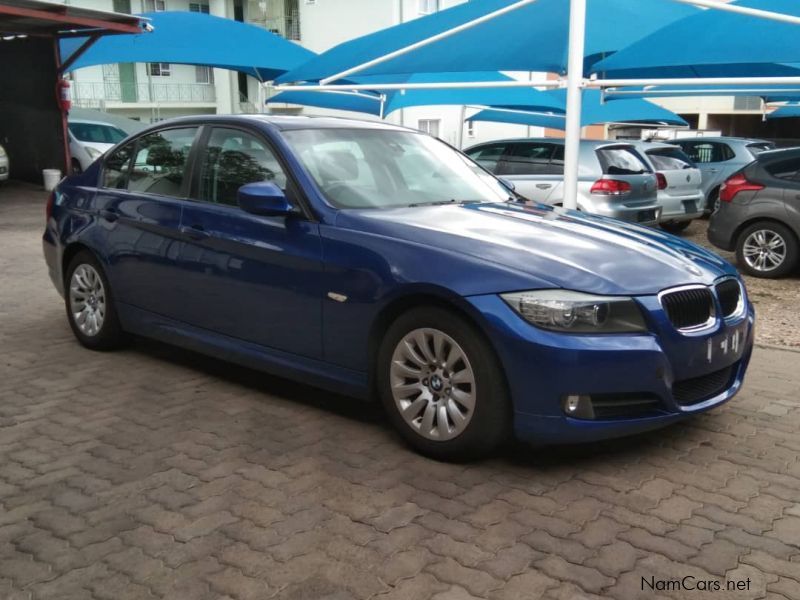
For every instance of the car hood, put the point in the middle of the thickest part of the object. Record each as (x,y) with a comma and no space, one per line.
(569,249)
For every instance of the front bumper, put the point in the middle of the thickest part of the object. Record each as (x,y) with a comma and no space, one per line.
(543,367)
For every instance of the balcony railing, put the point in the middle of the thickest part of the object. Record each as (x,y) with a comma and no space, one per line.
(91,94)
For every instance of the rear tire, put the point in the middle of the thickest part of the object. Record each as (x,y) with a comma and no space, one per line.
(442,386)
(767,249)
(712,204)
(90,304)
(675,226)
(76,167)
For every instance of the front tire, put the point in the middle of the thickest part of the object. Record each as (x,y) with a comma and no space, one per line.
(442,386)
(767,249)
(89,303)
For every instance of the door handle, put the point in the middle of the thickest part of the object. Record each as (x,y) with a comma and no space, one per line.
(109,214)
(544,186)
(713,170)
(194,232)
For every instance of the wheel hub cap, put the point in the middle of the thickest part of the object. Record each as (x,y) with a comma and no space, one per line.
(433,384)
(764,250)
(87,300)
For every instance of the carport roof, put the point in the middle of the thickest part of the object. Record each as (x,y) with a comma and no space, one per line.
(33,17)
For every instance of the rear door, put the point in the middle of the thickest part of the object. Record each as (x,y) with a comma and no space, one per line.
(139,201)
(535,168)
(251,277)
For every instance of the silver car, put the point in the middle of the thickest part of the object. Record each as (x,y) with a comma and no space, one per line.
(720,157)
(614,180)
(679,184)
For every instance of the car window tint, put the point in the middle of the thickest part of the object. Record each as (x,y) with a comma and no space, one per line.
(160,162)
(708,152)
(529,159)
(232,159)
(759,147)
(669,159)
(487,156)
(97,133)
(621,161)
(784,169)
(117,168)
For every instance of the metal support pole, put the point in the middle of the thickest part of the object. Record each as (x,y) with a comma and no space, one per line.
(577,33)
(383,106)
(460,132)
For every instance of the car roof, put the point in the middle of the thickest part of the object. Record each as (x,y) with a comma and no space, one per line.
(723,138)
(285,122)
(778,153)
(544,140)
(87,122)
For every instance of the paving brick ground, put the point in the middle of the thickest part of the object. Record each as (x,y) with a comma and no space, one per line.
(155,473)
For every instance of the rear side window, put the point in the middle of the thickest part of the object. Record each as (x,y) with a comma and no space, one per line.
(160,162)
(708,152)
(533,159)
(760,147)
(487,156)
(784,169)
(621,160)
(670,159)
(117,168)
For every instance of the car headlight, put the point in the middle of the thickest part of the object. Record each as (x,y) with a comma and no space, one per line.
(93,152)
(575,312)
(2,152)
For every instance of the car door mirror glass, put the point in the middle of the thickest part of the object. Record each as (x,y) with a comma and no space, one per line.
(264,198)
(507,183)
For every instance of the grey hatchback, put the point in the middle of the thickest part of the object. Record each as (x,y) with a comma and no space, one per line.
(759,214)
(614,180)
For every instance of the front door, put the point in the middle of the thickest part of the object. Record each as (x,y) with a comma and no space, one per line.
(250,277)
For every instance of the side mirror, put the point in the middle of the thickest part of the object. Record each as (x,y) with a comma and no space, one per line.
(509,185)
(263,198)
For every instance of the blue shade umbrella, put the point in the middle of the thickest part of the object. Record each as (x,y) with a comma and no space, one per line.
(785,112)
(196,39)
(531,38)
(594,112)
(713,43)
(370,102)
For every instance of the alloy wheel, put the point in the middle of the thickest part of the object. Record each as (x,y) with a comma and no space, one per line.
(87,300)
(433,384)
(764,250)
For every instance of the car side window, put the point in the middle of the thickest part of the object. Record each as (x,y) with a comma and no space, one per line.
(784,169)
(116,168)
(234,158)
(488,156)
(529,159)
(159,166)
(708,152)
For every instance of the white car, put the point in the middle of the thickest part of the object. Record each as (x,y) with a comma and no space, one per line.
(680,184)
(88,140)
(4,167)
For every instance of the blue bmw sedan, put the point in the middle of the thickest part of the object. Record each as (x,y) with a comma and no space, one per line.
(379,262)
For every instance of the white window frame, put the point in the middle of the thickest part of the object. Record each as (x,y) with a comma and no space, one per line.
(209,74)
(164,69)
(158,5)
(430,126)
(202,7)
(427,7)
(471,128)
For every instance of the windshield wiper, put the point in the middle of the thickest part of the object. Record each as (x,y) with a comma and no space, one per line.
(443,203)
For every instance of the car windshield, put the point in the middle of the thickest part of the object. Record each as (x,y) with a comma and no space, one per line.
(380,168)
(97,133)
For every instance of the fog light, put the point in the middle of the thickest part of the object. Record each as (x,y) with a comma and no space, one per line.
(578,407)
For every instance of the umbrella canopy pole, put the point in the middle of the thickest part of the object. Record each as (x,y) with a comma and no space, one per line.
(577,38)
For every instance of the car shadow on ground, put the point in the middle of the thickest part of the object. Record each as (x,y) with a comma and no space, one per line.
(371,414)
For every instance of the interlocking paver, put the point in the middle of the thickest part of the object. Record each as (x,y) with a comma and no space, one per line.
(152,472)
